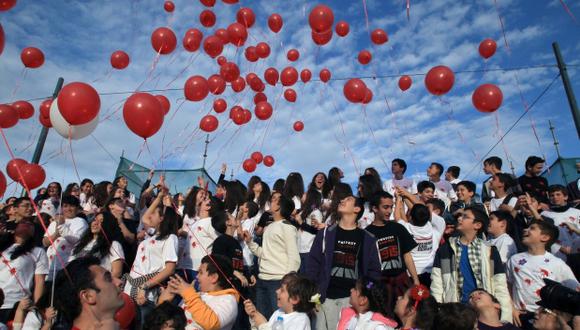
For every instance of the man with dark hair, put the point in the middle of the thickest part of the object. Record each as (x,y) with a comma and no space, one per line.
(491,166)
(532,183)
(466,263)
(88,294)
(488,310)
(443,189)
(452,176)
(398,168)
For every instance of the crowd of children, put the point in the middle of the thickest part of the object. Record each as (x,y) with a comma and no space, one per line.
(397,254)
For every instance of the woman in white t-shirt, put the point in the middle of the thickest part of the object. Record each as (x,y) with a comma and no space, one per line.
(156,256)
(23,267)
(102,241)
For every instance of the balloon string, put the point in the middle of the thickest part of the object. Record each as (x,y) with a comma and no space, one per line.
(72,156)
(176,110)
(191,60)
(107,75)
(502,27)
(499,131)
(19,81)
(450,120)
(14,274)
(151,69)
(568,11)
(374,137)
(527,108)
(36,209)
(364,2)
(408,10)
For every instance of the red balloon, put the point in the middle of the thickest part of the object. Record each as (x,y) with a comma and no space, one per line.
(164,101)
(213,46)
(119,60)
(143,114)
(275,23)
(192,40)
(237,115)
(8,116)
(250,76)
(263,110)
(207,18)
(305,75)
(368,96)
(24,108)
(163,40)
(290,95)
(439,80)
(230,2)
(293,55)
(2,184)
(238,34)
(220,105)
(125,315)
(221,60)
(45,108)
(256,84)
(487,48)
(263,49)
(208,123)
(355,90)
(196,88)
(247,116)
(7,4)
(364,57)
(289,76)
(260,97)
(2,39)
(321,38)
(298,126)
(268,161)
(251,54)
(216,84)
(405,82)
(249,165)
(321,18)
(229,71)
(45,121)
(257,156)
(207,3)
(78,103)
(246,17)
(32,57)
(234,109)
(169,6)
(324,75)
(223,35)
(379,36)
(487,98)
(271,76)
(238,85)
(33,175)
(13,166)
(342,28)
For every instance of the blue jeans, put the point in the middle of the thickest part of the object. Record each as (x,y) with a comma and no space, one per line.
(266,296)
(303,258)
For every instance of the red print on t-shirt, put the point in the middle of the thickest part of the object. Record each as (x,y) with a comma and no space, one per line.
(528,281)
(544,272)
(517,269)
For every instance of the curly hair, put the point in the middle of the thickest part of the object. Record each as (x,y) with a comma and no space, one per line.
(301,288)
(376,293)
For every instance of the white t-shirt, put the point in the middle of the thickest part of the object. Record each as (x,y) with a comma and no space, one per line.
(290,321)
(200,237)
(367,217)
(505,246)
(224,306)
(115,253)
(305,239)
(526,272)
(297,202)
(248,225)
(151,257)
(405,183)
(70,232)
(567,237)
(445,192)
(365,322)
(17,276)
(427,238)
(495,203)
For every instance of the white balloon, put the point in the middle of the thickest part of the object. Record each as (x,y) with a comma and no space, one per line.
(67,130)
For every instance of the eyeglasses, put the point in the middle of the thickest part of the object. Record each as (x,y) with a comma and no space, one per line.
(464,216)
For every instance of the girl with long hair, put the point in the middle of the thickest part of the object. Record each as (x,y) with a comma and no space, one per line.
(310,221)
(259,193)
(87,197)
(294,189)
(367,187)
(320,182)
(335,176)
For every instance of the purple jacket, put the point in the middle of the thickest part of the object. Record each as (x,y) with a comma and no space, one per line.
(319,261)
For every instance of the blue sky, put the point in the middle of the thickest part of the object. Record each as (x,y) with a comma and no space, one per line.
(77,38)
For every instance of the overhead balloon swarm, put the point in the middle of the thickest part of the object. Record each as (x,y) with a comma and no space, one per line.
(74,114)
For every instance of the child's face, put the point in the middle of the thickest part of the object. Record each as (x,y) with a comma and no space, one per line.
(495,183)
(426,194)
(383,212)
(347,205)
(496,227)
(401,305)
(558,198)
(481,299)
(205,280)
(466,223)
(463,194)
(283,299)
(357,301)
(533,235)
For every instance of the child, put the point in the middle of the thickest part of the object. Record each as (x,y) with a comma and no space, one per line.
(527,270)
(217,305)
(561,213)
(488,311)
(497,229)
(500,183)
(465,263)
(296,300)
(369,310)
(309,220)
(416,308)
(248,219)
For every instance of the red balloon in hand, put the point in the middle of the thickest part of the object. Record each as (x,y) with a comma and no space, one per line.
(208,123)
(268,161)
(143,114)
(439,80)
(257,156)
(79,103)
(487,98)
(355,90)
(364,57)
(8,116)
(32,57)
(487,48)
(275,23)
(119,60)
(405,82)
(298,126)
(379,37)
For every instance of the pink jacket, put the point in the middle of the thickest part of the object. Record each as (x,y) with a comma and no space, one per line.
(347,313)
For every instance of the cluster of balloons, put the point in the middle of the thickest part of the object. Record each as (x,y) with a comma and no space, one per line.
(356,91)
(256,158)
(33,175)
(321,19)
(10,114)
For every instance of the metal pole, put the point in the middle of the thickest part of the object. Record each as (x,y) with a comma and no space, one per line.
(205,151)
(44,132)
(567,87)
(556,143)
